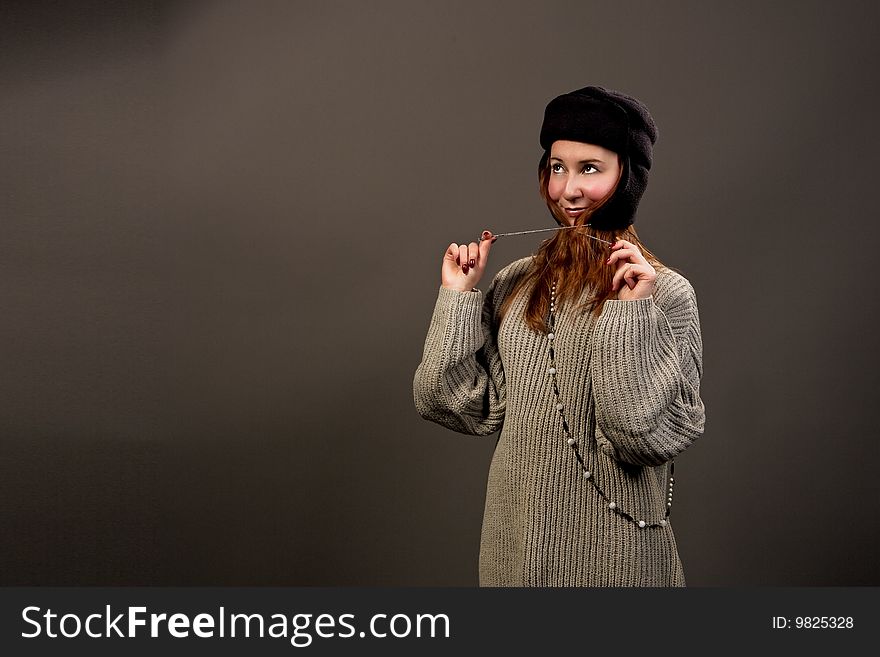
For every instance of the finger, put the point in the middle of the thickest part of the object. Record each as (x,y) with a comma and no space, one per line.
(486,246)
(633,255)
(473,254)
(619,244)
(623,273)
(615,280)
(631,276)
(620,255)
(463,258)
(451,253)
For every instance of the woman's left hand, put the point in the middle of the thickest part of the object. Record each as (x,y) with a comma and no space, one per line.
(634,276)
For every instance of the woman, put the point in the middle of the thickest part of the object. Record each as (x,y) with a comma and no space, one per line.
(587,356)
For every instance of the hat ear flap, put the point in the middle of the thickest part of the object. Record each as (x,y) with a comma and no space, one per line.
(609,215)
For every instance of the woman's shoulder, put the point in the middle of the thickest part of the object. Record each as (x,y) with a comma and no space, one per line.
(672,288)
(506,280)
(515,269)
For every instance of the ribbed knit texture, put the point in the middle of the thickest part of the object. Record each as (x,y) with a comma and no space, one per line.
(630,384)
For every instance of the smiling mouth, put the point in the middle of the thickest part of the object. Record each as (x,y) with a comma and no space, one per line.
(573,211)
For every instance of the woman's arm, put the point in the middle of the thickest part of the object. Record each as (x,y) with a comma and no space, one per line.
(646,366)
(460,381)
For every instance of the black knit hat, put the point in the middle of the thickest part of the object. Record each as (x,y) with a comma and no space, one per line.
(615,121)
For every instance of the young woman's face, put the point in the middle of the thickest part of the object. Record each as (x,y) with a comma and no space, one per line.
(580,176)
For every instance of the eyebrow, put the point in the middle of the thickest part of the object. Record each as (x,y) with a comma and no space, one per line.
(592,160)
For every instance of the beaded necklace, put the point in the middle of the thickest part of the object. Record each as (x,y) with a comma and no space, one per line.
(560,408)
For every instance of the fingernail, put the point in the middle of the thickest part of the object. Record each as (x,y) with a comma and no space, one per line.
(472,262)
(464,269)
(486,233)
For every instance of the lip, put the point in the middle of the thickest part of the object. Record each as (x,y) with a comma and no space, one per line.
(573,212)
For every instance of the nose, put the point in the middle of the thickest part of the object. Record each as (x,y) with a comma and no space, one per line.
(572,189)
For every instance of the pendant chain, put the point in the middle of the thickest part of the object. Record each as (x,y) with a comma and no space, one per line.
(560,408)
(544,230)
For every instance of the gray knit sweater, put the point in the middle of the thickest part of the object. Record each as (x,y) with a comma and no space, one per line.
(629,381)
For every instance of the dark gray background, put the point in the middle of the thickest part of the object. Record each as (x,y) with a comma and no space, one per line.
(222,225)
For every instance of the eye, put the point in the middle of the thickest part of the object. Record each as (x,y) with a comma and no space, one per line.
(556,167)
(589,168)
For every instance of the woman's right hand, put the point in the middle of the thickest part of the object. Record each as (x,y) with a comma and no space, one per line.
(463,265)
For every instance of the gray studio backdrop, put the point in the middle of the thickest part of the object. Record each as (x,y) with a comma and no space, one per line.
(222,225)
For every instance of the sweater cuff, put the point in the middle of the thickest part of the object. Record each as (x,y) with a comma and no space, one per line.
(635,314)
(465,310)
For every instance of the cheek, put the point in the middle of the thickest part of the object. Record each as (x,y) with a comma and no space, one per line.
(600,189)
(555,189)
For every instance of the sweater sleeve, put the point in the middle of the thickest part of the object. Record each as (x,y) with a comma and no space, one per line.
(460,380)
(646,367)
